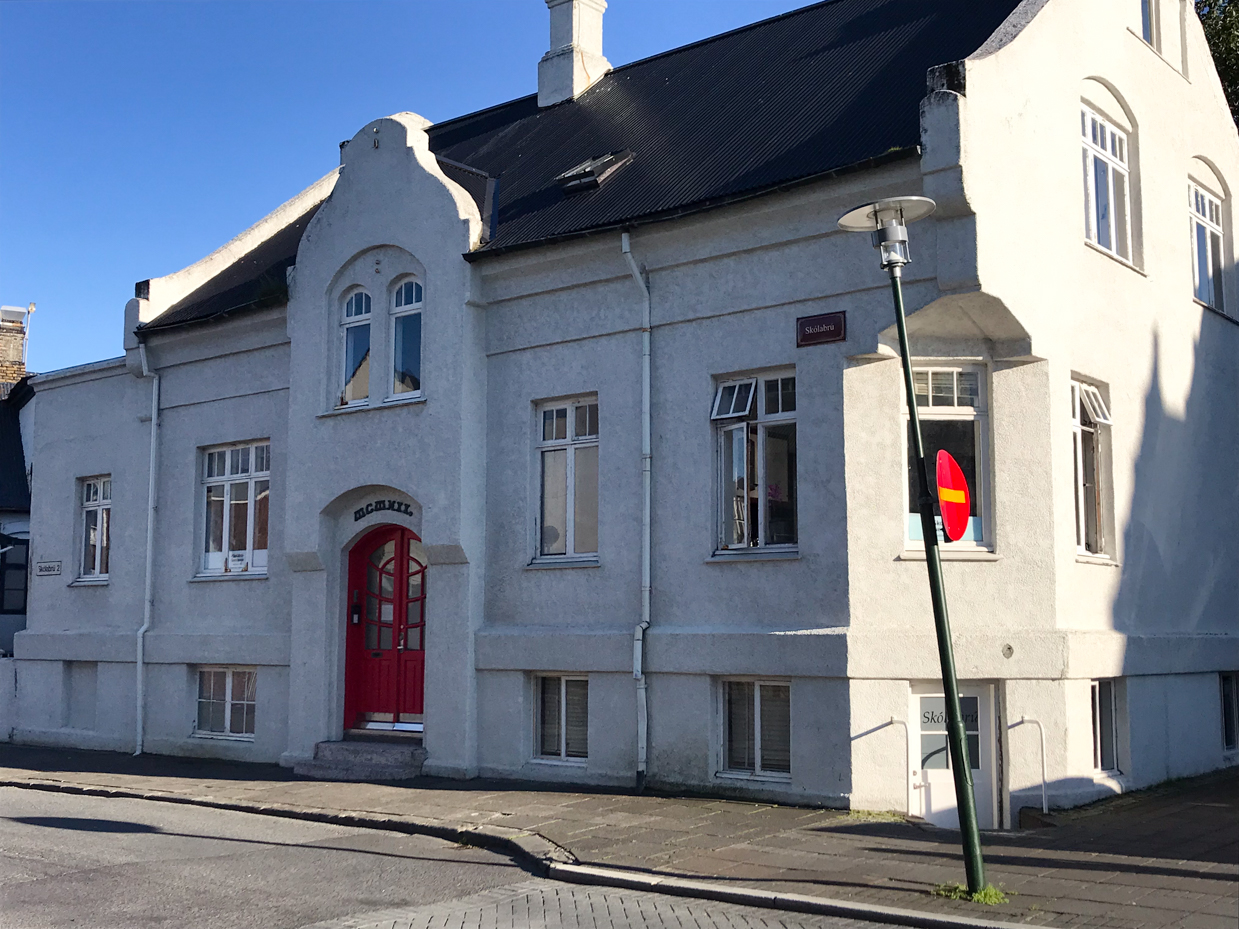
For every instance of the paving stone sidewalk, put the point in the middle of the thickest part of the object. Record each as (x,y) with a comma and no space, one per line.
(1166,857)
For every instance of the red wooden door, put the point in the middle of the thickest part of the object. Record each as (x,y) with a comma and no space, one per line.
(385,643)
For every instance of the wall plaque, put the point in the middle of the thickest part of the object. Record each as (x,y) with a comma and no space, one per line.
(818,330)
(46,568)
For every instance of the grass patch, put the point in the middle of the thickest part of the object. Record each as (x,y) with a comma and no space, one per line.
(989,895)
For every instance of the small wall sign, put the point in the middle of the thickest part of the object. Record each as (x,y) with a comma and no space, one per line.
(818,330)
(46,568)
(390,506)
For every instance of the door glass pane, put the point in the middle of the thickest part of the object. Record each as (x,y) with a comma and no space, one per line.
(776,728)
(356,364)
(408,354)
(548,738)
(415,580)
(576,719)
(387,584)
(741,737)
(781,484)
(372,635)
(554,502)
(385,613)
(933,751)
(384,637)
(413,634)
(585,500)
(383,553)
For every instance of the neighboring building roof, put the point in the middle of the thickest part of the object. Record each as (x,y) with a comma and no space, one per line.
(256,280)
(804,95)
(14,491)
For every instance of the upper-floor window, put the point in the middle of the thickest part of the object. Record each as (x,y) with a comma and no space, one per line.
(950,402)
(407,340)
(1090,424)
(1206,214)
(236,482)
(568,456)
(1107,213)
(355,385)
(756,422)
(96,526)
(1149,23)
(14,564)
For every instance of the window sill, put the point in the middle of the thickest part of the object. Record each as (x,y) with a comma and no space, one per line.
(560,762)
(89,582)
(230,576)
(543,564)
(764,777)
(388,404)
(1097,560)
(1113,257)
(397,399)
(1212,309)
(951,554)
(221,736)
(723,556)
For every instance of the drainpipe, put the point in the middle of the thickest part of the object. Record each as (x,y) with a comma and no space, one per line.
(638,636)
(148,602)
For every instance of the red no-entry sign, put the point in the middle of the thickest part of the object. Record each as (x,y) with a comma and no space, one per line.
(954,502)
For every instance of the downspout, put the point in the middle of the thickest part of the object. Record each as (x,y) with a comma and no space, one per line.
(149,600)
(638,636)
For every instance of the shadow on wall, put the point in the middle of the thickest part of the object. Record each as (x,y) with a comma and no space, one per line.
(1180,569)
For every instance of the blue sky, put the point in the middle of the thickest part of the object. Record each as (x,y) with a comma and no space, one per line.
(136,137)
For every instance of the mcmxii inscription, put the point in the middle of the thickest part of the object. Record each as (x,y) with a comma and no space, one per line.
(390,506)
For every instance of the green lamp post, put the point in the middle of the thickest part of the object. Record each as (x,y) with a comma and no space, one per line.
(887,222)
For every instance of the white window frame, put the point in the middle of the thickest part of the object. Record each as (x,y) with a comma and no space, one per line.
(1150,24)
(95,498)
(228,701)
(561,756)
(350,318)
(1205,211)
(1105,142)
(979,416)
(570,443)
(401,310)
(249,560)
(757,772)
(1086,400)
(733,413)
(1103,693)
(1230,703)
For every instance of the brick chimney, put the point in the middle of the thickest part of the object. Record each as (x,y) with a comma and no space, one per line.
(13,325)
(575,60)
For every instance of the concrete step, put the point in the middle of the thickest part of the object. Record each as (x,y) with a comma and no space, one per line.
(363,761)
(370,752)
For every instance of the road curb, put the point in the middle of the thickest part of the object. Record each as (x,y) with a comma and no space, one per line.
(539,855)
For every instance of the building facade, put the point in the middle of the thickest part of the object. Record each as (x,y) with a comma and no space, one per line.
(500,435)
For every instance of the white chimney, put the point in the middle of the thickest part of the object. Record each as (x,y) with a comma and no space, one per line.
(575,60)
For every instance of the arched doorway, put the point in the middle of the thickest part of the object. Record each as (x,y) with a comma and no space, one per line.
(385,658)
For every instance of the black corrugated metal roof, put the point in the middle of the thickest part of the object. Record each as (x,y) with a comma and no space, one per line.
(14,492)
(833,86)
(801,95)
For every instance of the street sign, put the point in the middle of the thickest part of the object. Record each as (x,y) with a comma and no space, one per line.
(954,502)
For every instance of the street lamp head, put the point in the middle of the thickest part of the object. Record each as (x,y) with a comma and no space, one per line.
(887,223)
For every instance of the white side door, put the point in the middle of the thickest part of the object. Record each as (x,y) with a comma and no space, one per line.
(933,781)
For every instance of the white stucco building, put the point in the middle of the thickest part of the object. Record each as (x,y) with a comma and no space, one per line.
(500,435)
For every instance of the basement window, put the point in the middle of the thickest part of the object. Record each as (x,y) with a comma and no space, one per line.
(590,174)
(226,701)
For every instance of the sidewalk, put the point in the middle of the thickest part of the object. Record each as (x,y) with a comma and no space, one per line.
(1164,857)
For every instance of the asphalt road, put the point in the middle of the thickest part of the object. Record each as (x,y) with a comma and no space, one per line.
(71,861)
(97,863)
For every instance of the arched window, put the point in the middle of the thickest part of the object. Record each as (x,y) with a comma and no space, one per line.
(407,339)
(1107,190)
(356,349)
(1206,204)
